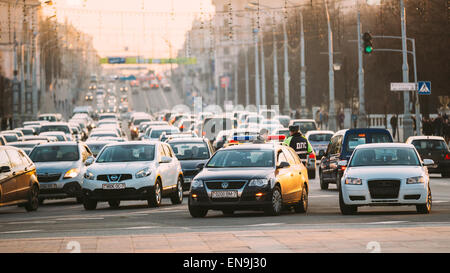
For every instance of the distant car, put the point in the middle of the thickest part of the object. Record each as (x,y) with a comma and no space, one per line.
(167,87)
(134,126)
(341,147)
(97,145)
(19,185)
(284,120)
(49,117)
(57,127)
(89,96)
(305,125)
(319,140)
(268,114)
(60,169)
(155,132)
(10,137)
(27,131)
(133,171)
(435,148)
(385,174)
(250,177)
(27,146)
(191,151)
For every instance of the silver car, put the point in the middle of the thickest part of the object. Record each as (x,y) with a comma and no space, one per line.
(133,170)
(60,169)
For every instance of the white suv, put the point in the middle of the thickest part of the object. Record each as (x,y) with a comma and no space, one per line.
(133,171)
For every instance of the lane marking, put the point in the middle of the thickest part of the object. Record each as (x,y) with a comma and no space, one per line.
(266,225)
(79,218)
(387,222)
(20,231)
(137,228)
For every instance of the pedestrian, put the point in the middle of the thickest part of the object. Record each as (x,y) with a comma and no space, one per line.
(325,119)
(319,118)
(427,130)
(393,122)
(446,130)
(298,142)
(297,114)
(341,118)
(438,125)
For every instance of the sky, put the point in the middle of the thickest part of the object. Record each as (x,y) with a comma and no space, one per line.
(119,27)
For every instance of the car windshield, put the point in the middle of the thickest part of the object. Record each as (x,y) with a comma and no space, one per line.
(103,135)
(306,126)
(320,137)
(55,153)
(190,151)
(241,158)
(127,153)
(24,145)
(96,147)
(47,118)
(430,145)
(384,157)
(11,138)
(55,128)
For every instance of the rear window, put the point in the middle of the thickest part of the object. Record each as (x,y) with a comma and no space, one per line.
(139,121)
(47,118)
(355,139)
(430,145)
(320,137)
(306,126)
(55,128)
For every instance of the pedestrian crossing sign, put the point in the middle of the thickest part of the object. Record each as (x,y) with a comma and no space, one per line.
(424,88)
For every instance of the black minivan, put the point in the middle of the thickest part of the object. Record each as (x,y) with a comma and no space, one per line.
(341,147)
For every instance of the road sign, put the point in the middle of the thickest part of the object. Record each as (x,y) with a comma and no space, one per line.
(403,86)
(424,88)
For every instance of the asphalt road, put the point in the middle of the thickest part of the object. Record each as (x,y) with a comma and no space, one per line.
(64,218)
(153,100)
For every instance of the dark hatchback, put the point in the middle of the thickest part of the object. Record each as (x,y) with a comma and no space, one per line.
(435,148)
(191,152)
(341,147)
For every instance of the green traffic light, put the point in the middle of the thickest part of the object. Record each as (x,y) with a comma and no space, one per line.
(369,49)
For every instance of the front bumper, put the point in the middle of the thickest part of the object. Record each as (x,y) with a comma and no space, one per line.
(59,190)
(246,200)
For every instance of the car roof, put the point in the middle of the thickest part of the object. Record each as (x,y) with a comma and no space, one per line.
(319,132)
(55,124)
(143,142)
(425,138)
(385,145)
(186,139)
(246,146)
(60,143)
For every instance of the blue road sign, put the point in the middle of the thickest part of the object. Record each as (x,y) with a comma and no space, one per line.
(424,88)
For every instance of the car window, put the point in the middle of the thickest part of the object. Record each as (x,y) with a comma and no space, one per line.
(430,145)
(15,158)
(281,157)
(384,157)
(320,137)
(55,153)
(190,151)
(167,151)
(127,153)
(295,156)
(4,160)
(354,140)
(55,128)
(241,158)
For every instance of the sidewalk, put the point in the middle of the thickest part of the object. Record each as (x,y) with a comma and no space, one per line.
(417,239)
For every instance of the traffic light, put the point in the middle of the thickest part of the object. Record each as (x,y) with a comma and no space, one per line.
(367,43)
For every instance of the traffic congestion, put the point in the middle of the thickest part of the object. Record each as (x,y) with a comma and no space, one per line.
(234,161)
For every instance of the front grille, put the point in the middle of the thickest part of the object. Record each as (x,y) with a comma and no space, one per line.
(218,185)
(383,189)
(357,198)
(51,177)
(107,177)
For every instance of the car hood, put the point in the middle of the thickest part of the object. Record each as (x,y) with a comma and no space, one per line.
(234,173)
(191,164)
(56,166)
(119,167)
(385,172)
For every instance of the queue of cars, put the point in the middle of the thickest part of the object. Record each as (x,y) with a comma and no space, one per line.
(228,162)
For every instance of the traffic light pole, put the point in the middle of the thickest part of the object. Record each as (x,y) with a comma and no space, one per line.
(407,121)
(362,121)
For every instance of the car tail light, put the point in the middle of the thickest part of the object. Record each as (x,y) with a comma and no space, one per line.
(312,155)
(276,137)
(343,168)
(447,157)
(203,133)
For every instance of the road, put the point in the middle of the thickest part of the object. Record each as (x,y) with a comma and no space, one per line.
(153,100)
(64,219)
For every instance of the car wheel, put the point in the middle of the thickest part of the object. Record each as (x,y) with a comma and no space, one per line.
(312,174)
(177,196)
(89,204)
(197,212)
(346,209)
(338,182)
(277,202)
(228,212)
(114,204)
(426,208)
(155,196)
(323,185)
(302,205)
(33,199)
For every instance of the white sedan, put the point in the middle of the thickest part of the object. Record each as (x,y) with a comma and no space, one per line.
(385,174)
(133,171)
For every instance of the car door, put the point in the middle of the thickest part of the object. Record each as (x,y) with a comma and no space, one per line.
(334,158)
(172,166)
(19,171)
(283,175)
(325,164)
(295,175)
(7,180)
(23,185)
(163,167)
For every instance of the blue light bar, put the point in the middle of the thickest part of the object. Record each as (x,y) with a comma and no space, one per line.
(243,138)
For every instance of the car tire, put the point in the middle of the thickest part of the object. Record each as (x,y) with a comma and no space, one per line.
(114,204)
(89,204)
(346,209)
(155,197)
(276,202)
(338,182)
(228,212)
(177,196)
(33,199)
(302,205)
(312,174)
(197,212)
(323,184)
(425,208)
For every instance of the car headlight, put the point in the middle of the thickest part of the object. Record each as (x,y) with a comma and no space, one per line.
(143,173)
(90,176)
(72,173)
(196,184)
(353,181)
(415,180)
(258,182)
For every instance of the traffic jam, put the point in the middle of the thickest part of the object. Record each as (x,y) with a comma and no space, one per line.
(239,160)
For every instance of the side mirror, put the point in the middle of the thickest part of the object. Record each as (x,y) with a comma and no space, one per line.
(200,166)
(165,159)
(283,164)
(428,162)
(342,163)
(5,169)
(89,161)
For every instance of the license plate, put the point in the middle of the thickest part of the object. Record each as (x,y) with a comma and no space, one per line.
(113,186)
(48,186)
(187,180)
(224,194)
